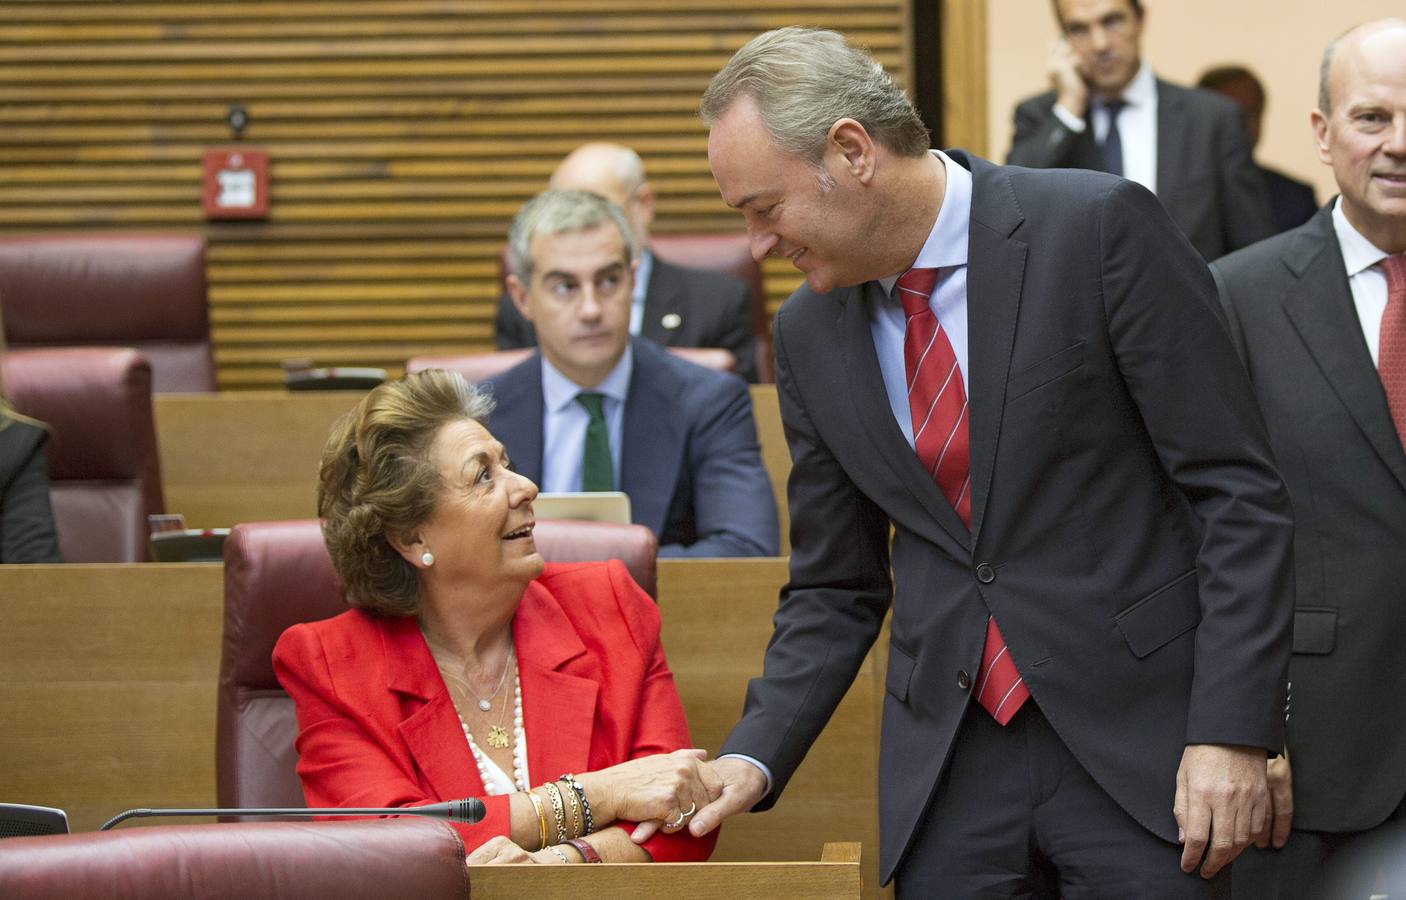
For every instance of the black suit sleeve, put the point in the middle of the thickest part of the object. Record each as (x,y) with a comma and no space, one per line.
(1041,140)
(737,331)
(510,330)
(831,608)
(27,532)
(1200,412)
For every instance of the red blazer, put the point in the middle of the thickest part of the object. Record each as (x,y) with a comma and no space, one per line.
(376,725)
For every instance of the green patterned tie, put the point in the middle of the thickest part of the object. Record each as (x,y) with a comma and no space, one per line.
(597,471)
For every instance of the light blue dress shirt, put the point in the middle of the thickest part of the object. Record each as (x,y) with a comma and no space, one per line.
(641,288)
(564,422)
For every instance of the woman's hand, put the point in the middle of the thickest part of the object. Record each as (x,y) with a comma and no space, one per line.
(500,851)
(665,789)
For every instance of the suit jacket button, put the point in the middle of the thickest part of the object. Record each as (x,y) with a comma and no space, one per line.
(985,574)
(964,681)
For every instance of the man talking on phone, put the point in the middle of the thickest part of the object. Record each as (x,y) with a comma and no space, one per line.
(1107,111)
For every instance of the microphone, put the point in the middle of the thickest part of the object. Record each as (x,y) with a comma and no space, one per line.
(469,811)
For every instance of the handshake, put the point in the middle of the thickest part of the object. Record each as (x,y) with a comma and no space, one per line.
(662,793)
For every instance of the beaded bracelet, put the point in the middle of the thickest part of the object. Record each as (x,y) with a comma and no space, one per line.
(575,816)
(580,792)
(561,856)
(588,853)
(541,819)
(558,809)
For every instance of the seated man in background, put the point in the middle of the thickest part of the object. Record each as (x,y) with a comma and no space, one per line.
(27,533)
(670,304)
(1108,111)
(597,410)
(1292,200)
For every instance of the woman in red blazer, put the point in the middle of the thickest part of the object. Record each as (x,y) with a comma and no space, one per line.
(470,669)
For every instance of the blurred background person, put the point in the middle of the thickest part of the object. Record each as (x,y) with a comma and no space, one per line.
(469,668)
(1291,200)
(1108,111)
(27,532)
(672,305)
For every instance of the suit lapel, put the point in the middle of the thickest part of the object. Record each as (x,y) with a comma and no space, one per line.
(869,398)
(1171,126)
(995,275)
(517,419)
(651,438)
(663,295)
(429,732)
(1320,306)
(558,708)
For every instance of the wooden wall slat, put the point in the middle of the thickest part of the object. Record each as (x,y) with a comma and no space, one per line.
(403,135)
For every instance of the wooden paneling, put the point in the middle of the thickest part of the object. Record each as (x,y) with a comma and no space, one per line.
(403,135)
(252,456)
(108,676)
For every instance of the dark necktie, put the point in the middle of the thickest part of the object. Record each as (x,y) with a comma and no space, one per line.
(1391,346)
(1112,146)
(937,401)
(597,471)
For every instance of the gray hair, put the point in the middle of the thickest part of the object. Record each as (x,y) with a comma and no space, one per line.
(555,211)
(803,80)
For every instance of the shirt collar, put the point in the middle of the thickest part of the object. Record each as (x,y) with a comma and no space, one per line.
(559,392)
(642,277)
(1141,91)
(946,246)
(1359,254)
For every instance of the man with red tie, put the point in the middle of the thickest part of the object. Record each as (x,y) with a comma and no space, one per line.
(1319,317)
(1021,376)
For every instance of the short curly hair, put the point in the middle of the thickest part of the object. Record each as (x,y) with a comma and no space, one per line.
(377,482)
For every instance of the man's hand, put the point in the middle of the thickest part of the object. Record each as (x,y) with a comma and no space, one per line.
(1281,801)
(1221,804)
(743,786)
(1071,90)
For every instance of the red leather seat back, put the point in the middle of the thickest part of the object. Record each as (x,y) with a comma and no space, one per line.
(278,574)
(354,860)
(142,291)
(104,469)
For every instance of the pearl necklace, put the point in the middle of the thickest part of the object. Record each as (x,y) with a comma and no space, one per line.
(519,746)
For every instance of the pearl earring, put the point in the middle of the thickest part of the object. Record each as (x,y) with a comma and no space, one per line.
(427,558)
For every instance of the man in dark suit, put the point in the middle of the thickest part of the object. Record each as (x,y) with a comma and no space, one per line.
(1319,317)
(1090,561)
(1108,112)
(1291,200)
(599,410)
(671,305)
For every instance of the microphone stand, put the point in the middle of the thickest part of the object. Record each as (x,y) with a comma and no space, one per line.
(469,812)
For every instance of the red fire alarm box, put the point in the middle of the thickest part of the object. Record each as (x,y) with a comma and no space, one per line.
(236,184)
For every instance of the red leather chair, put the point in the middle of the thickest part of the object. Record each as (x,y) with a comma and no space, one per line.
(104,470)
(730,254)
(478,366)
(278,574)
(141,291)
(354,860)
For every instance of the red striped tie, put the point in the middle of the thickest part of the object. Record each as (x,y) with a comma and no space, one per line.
(938,403)
(1391,349)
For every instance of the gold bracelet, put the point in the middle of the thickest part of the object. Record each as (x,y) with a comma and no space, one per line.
(558,809)
(575,805)
(541,819)
(561,856)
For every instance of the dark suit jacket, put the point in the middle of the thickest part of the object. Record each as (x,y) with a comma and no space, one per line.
(27,532)
(1293,320)
(1129,532)
(713,310)
(690,460)
(1205,176)
(377,727)
(1291,200)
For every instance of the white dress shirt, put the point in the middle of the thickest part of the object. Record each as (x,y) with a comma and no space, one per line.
(1365,279)
(641,288)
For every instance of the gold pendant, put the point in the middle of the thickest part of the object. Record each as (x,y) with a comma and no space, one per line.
(498,737)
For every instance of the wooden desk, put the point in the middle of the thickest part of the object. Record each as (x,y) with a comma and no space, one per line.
(108,676)
(250,457)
